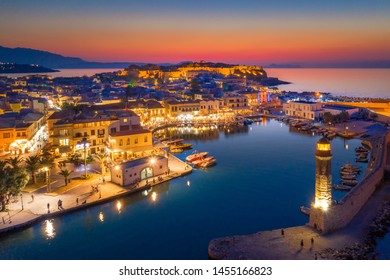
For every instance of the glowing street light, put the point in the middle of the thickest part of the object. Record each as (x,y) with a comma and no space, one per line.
(84,144)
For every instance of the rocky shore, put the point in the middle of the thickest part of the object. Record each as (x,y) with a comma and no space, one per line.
(366,249)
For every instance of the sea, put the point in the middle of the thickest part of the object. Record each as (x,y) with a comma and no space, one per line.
(338,81)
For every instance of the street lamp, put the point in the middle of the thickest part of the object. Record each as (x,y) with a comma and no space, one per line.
(21,199)
(47,170)
(84,144)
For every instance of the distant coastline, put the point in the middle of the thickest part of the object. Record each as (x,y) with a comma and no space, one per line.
(13,68)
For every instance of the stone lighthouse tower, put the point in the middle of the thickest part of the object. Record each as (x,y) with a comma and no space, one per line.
(323,185)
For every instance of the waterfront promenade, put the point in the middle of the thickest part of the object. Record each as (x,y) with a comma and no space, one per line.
(45,205)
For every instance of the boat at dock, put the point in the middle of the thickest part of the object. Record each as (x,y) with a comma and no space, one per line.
(305,210)
(208,162)
(173,142)
(196,156)
(342,188)
(351,183)
(183,146)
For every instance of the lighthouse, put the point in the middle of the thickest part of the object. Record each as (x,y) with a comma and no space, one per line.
(321,217)
(323,185)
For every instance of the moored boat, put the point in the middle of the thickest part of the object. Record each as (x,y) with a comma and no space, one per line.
(349,182)
(305,210)
(342,188)
(196,156)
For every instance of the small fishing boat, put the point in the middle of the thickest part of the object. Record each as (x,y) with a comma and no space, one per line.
(349,182)
(361,160)
(183,146)
(196,156)
(342,188)
(176,150)
(361,150)
(348,176)
(305,210)
(208,163)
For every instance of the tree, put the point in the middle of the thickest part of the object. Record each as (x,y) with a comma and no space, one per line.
(15,162)
(102,159)
(327,117)
(65,173)
(13,179)
(32,164)
(344,116)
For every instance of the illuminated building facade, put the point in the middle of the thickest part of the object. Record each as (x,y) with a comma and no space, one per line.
(131,172)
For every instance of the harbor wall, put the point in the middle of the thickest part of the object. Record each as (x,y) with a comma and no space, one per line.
(341,214)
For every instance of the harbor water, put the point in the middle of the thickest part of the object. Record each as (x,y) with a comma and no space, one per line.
(265,172)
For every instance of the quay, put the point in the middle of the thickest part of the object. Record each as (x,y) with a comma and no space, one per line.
(347,224)
(36,209)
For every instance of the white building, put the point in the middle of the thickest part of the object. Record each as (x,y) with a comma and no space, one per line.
(302,109)
(133,171)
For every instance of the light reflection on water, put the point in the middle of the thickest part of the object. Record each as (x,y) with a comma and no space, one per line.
(49,229)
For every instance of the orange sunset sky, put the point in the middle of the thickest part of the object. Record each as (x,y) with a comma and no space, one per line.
(252,32)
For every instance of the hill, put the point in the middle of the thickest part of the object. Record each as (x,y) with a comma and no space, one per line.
(52,60)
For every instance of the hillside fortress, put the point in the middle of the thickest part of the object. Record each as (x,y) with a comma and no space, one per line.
(190,70)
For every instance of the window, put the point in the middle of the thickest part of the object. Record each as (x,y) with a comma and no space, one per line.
(18,134)
(124,120)
(121,142)
(160,166)
(93,132)
(6,135)
(128,142)
(146,139)
(136,140)
(64,142)
(64,132)
(113,130)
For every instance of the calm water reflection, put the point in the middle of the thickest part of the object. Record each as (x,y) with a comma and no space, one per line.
(264,174)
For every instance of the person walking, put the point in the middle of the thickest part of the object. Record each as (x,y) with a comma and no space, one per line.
(301,243)
(282,231)
(48,208)
(32,197)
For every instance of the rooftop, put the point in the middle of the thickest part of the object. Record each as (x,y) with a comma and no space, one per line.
(144,160)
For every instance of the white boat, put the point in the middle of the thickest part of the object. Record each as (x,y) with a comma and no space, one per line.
(208,163)
(349,182)
(305,210)
(348,177)
(196,156)
(342,188)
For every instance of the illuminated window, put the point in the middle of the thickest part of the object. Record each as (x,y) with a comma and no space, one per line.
(64,142)
(6,135)
(136,140)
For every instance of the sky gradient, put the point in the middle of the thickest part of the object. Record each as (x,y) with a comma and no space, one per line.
(246,31)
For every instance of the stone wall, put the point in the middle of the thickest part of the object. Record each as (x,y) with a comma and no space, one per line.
(339,215)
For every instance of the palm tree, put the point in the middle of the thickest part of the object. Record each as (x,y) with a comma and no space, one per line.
(102,159)
(65,173)
(32,164)
(15,162)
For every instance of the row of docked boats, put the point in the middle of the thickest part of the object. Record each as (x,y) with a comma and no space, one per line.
(201,159)
(348,174)
(176,145)
(308,127)
(361,154)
